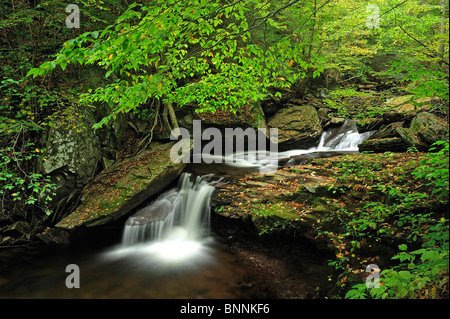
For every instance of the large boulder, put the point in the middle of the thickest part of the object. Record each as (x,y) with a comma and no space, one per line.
(386,139)
(387,131)
(298,126)
(78,151)
(411,139)
(425,129)
(390,144)
(405,107)
(430,127)
(71,157)
(125,185)
(75,151)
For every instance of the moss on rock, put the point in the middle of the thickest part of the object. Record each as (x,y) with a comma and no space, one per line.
(124,186)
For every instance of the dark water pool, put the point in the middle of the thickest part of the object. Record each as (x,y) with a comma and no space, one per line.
(108,273)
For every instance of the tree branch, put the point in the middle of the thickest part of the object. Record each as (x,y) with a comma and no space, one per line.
(432,53)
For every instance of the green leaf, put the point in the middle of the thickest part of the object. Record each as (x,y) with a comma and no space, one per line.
(63,64)
(406,275)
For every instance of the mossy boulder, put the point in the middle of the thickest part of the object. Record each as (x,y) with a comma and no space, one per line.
(411,139)
(298,126)
(391,144)
(405,107)
(430,127)
(123,186)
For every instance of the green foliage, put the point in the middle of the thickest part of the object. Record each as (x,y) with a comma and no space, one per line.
(435,169)
(20,189)
(182,52)
(400,203)
(422,273)
(422,80)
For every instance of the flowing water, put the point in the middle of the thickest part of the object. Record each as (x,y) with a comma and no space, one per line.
(172,229)
(166,249)
(342,139)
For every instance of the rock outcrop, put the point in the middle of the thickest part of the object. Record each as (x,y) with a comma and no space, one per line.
(298,126)
(124,186)
(424,130)
(429,127)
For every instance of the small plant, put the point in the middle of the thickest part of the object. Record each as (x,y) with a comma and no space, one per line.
(435,169)
(341,101)
(422,273)
(19,188)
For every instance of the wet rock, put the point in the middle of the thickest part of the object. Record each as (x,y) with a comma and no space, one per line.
(430,127)
(411,139)
(53,236)
(323,116)
(389,138)
(125,185)
(392,144)
(387,131)
(298,126)
(337,121)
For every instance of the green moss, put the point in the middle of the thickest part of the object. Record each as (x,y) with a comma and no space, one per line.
(106,199)
(269,218)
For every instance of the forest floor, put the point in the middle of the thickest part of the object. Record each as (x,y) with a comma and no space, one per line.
(328,218)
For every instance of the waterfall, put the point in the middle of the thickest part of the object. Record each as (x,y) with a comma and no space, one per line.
(172,232)
(182,214)
(345,138)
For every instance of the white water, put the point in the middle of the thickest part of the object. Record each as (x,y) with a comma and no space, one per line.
(346,138)
(173,228)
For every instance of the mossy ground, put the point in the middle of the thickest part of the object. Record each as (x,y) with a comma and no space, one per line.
(359,204)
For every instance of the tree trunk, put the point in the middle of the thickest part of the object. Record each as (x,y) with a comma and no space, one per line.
(442,44)
(173,117)
(313,29)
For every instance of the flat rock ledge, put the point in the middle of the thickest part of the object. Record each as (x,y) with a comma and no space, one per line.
(125,185)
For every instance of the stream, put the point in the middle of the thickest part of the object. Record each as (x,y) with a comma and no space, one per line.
(169,249)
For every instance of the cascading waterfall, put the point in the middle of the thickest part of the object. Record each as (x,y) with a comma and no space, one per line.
(345,138)
(182,214)
(175,226)
(172,228)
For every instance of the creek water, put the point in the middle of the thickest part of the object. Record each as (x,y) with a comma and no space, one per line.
(166,250)
(344,139)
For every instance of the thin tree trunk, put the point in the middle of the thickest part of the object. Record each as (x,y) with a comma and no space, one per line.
(442,44)
(313,29)
(173,117)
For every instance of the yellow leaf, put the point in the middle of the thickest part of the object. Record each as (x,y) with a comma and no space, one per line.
(291,62)
(110,56)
